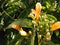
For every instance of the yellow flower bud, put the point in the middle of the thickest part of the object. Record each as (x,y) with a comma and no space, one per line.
(35,23)
(23,33)
(48,36)
(31,15)
(30,32)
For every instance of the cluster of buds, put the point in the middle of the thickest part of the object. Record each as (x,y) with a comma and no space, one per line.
(35,15)
(47,36)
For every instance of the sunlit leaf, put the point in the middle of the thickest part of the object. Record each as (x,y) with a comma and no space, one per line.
(22,22)
(51,18)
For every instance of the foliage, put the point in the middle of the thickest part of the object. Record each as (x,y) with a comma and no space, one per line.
(18,12)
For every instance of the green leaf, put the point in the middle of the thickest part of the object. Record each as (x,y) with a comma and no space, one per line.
(51,18)
(22,22)
(57,33)
(48,4)
(17,40)
(0,13)
(2,23)
(12,9)
(17,3)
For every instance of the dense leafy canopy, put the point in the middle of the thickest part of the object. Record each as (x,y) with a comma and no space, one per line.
(18,11)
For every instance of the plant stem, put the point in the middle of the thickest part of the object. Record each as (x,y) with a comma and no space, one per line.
(33,36)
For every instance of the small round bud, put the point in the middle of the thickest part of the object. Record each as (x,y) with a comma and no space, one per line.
(48,36)
(31,16)
(30,32)
(34,22)
(23,33)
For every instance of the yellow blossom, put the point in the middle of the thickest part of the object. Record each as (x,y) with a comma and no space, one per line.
(37,11)
(55,26)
